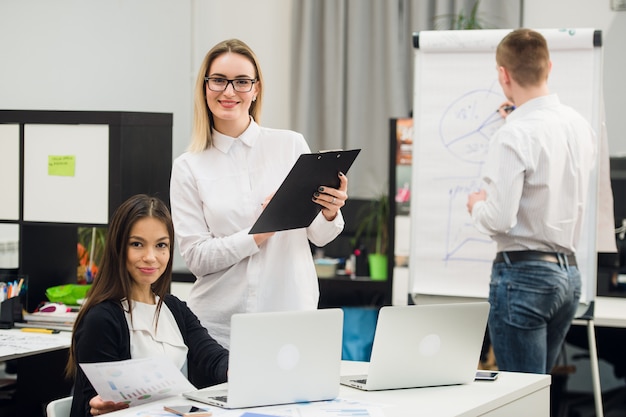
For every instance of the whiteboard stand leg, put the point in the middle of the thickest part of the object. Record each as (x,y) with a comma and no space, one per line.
(595,368)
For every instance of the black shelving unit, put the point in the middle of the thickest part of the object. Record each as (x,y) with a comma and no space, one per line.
(140,159)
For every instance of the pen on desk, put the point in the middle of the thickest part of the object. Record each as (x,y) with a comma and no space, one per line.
(37,330)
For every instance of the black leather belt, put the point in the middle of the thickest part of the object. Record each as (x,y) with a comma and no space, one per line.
(533,255)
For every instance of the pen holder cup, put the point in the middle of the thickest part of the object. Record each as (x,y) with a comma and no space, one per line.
(12,301)
(10,312)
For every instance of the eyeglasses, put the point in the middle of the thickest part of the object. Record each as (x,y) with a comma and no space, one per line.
(241,85)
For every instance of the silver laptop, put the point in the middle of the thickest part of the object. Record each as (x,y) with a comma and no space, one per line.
(280,358)
(424,345)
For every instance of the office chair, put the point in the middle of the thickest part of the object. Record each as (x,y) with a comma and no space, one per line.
(59,408)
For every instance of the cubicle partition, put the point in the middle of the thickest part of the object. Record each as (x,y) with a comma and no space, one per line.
(66,169)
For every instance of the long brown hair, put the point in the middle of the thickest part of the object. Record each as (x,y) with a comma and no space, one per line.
(113,281)
(201,136)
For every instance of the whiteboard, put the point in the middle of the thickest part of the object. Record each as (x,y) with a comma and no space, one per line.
(78,193)
(9,246)
(456,96)
(10,171)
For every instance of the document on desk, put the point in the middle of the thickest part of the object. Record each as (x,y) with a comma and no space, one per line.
(292,205)
(333,408)
(136,381)
(14,343)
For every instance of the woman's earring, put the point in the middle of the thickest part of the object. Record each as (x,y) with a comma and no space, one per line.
(254,98)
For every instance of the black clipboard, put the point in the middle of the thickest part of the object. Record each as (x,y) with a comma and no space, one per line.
(292,206)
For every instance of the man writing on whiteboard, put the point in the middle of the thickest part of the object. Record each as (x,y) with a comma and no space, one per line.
(536,178)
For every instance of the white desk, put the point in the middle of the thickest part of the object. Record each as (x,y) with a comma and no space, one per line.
(15,344)
(41,360)
(610,312)
(512,394)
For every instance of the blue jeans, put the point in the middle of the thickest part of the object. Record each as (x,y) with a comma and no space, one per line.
(532,306)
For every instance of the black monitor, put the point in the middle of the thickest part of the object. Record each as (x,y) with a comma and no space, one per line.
(612,266)
(618,183)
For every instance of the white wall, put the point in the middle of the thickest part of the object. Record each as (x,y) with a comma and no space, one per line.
(97,55)
(143,55)
(266,28)
(595,14)
(139,55)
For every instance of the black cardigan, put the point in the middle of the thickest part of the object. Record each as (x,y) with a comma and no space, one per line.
(103,336)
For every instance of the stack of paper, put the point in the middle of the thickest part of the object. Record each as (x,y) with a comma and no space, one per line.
(55,321)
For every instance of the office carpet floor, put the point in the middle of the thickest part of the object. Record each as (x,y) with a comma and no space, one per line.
(7,390)
(583,405)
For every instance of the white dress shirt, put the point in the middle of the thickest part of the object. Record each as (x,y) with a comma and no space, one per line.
(536,176)
(216,197)
(146,341)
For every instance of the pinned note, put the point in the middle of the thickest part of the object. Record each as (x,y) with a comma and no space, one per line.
(61,165)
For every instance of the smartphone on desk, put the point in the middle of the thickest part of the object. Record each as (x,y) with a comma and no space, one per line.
(187,410)
(486,375)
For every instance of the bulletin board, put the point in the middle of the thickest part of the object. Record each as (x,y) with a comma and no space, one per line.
(66,173)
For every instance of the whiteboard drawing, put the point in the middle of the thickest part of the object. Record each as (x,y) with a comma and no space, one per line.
(465,128)
(468,123)
(456,94)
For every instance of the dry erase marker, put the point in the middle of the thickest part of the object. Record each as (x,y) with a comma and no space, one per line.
(507,109)
(37,330)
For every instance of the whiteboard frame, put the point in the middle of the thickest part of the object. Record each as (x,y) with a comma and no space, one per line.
(473,41)
(82,198)
(10,171)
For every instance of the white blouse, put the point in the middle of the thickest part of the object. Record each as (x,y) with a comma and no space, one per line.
(216,196)
(146,341)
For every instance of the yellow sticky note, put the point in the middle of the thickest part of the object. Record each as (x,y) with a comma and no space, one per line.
(61,165)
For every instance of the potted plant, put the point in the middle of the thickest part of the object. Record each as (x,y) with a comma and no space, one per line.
(90,249)
(373,230)
(461,20)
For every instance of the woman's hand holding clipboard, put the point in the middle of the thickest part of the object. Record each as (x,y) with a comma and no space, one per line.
(292,206)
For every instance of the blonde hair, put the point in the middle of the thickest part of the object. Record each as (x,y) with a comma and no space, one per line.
(201,137)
